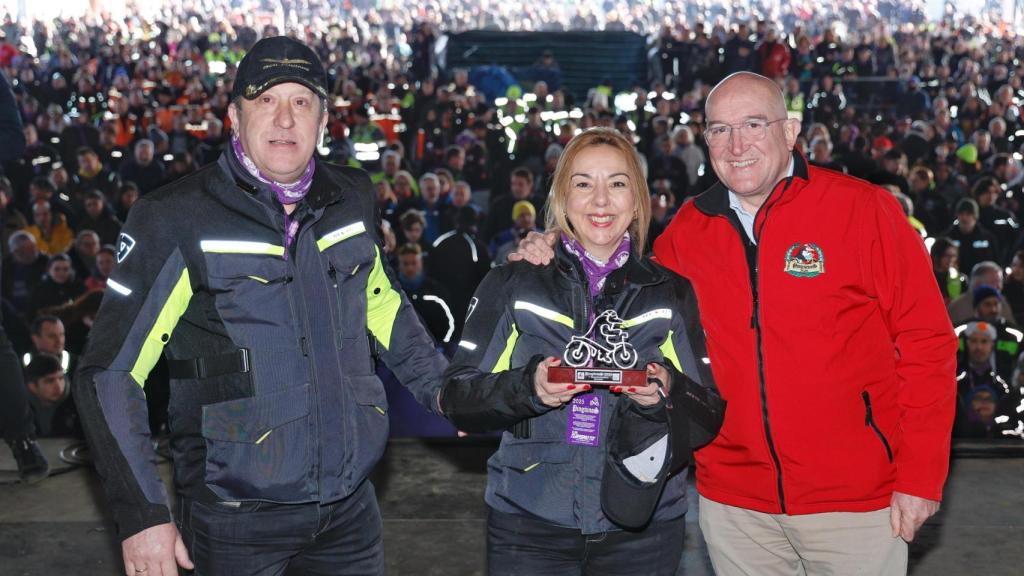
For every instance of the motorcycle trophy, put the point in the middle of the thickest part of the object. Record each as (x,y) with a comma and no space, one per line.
(601,357)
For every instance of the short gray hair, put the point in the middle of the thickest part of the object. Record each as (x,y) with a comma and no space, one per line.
(19,237)
(982,268)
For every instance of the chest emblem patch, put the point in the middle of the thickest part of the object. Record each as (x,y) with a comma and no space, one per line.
(805,260)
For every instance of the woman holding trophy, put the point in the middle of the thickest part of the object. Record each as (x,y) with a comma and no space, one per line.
(594,367)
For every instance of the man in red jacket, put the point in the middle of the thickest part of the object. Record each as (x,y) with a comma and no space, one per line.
(828,339)
(827,336)
(773,56)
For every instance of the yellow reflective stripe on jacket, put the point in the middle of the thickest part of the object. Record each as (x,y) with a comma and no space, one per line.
(240,247)
(665,313)
(343,233)
(544,312)
(166,320)
(669,351)
(505,360)
(382,303)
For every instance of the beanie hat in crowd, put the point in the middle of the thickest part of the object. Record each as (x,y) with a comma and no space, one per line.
(982,293)
(966,205)
(968,153)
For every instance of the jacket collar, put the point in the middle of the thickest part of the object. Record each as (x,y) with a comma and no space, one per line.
(325,189)
(635,271)
(715,200)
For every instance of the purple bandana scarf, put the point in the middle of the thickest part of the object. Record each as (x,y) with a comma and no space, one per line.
(596,270)
(285,193)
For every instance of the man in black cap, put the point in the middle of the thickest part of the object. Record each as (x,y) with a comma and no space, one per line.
(975,243)
(262,276)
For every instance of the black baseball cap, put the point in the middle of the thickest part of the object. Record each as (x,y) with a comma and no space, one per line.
(637,463)
(647,445)
(276,60)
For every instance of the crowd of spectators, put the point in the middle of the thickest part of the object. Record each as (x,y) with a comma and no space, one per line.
(113,109)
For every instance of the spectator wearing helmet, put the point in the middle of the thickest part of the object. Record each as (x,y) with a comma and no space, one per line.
(975,242)
(988,308)
(986,399)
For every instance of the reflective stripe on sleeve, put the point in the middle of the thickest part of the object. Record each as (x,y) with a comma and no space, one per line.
(505,360)
(382,303)
(118,287)
(669,351)
(160,333)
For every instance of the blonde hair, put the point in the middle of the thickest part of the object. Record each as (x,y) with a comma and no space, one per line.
(556,219)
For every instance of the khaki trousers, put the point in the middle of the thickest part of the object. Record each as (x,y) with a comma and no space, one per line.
(742,542)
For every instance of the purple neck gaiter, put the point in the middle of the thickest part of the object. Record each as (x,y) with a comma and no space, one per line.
(595,270)
(285,193)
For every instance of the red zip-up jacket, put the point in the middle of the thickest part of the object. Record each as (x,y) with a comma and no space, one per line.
(829,341)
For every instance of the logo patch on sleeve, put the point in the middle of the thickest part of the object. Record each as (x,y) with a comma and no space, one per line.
(805,260)
(125,243)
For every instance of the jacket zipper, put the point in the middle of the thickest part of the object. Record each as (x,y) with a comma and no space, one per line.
(869,420)
(752,252)
(332,272)
(304,343)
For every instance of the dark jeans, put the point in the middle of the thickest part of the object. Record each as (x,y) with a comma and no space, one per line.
(263,539)
(15,414)
(518,545)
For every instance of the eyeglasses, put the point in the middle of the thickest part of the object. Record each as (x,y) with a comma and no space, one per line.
(717,134)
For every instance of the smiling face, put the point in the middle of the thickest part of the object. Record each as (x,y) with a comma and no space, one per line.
(600,201)
(751,168)
(279,129)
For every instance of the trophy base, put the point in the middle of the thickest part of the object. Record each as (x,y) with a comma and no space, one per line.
(597,377)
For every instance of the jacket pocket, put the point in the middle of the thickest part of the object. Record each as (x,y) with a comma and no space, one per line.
(366,423)
(538,477)
(869,420)
(259,448)
(250,292)
(368,392)
(348,266)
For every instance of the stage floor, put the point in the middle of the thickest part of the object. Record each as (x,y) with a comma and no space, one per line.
(431,495)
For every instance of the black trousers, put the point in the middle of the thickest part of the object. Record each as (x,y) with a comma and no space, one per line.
(518,545)
(342,538)
(15,414)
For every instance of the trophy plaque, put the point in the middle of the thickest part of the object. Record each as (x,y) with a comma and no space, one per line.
(602,357)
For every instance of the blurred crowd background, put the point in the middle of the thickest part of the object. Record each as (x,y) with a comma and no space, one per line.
(924,102)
